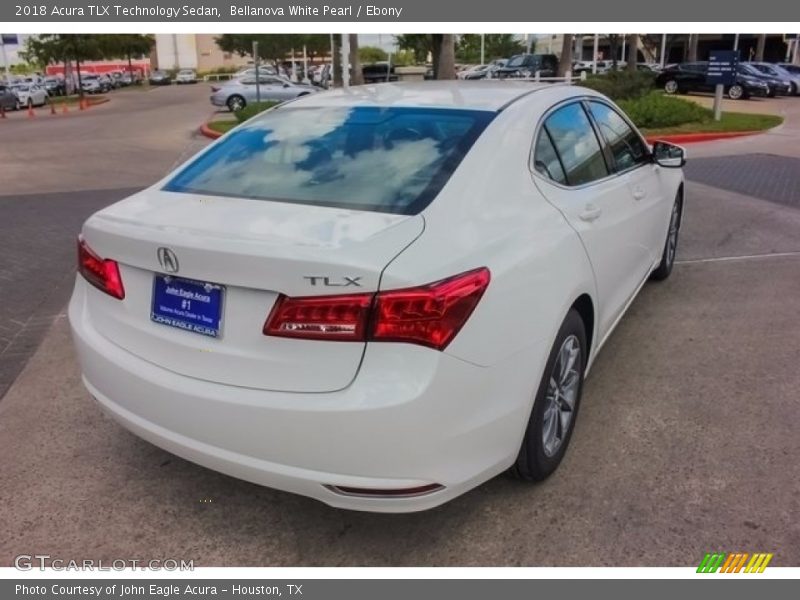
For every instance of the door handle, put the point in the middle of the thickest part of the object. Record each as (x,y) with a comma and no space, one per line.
(590,213)
(639,193)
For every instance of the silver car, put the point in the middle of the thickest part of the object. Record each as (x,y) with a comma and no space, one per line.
(186,76)
(238,93)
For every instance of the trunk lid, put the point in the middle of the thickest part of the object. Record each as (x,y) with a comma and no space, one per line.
(255,250)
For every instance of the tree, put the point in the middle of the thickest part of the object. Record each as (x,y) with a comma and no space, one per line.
(127,46)
(565,62)
(613,47)
(356,74)
(633,51)
(693,40)
(496,45)
(446,65)
(57,47)
(761,44)
(273,47)
(420,44)
(371,54)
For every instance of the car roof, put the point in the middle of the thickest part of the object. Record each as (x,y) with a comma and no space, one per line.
(476,95)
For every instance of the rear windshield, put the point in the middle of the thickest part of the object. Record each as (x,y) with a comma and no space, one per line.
(392,160)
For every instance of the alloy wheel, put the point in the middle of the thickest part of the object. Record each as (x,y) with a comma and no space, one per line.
(561,396)
(672,236)
(671,87)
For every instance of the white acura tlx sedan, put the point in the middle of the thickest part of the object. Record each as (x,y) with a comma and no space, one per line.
(381,297)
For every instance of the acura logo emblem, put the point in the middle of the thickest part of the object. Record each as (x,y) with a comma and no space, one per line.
(168,260)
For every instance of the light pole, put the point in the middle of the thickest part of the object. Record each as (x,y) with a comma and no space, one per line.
(258,79)
(663,49)
(595,51)
(483,46)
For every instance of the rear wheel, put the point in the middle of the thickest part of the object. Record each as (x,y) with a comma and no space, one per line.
(671,87)
(235,103)
(555,407)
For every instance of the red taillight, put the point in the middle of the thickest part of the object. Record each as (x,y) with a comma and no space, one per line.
(320,318)
(430,315)
(101,273)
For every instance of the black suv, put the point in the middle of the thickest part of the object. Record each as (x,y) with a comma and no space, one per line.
(691,77)
(526,65)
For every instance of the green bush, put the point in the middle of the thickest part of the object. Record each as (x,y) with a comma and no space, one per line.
(657,110)
(251,110)
(622,85)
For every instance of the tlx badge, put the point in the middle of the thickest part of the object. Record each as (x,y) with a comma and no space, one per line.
(327,281)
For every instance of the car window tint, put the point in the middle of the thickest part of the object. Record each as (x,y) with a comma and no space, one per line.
(391,160)
(626,146)
(576,144)
(545,159)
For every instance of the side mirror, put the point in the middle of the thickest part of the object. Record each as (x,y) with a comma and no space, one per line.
(668,155)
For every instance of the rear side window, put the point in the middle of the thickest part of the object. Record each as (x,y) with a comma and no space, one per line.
(392,160)
(625,144)
(545,159)
(575,141)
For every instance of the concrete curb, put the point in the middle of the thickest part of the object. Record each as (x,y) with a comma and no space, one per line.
(690,138)
(208,132)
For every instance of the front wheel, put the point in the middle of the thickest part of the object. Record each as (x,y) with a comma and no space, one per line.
(555,406)
(671,87)
(671,245)
(736,92)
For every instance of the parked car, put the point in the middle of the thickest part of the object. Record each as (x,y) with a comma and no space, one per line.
(526,65)
(160,78)
(778,86)
(368,348)
(30,94)
(55,86)
(691,77)
(473,72)
(790,80)
(128,78)
(378,72)
(8,99)
(92,84)
(238,93)
(791,68)
(186,76)
(251,71)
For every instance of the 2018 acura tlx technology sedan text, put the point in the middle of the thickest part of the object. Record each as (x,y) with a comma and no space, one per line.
(378,298)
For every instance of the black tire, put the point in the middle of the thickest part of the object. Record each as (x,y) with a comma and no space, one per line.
(671,86)
(670,244)
(736,92)
(534,462)
(235,103)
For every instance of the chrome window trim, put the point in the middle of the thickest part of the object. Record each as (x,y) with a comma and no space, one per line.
(583,98)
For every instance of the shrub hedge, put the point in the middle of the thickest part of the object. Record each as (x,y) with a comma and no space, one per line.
(656,110)
(251,110)
(622,85)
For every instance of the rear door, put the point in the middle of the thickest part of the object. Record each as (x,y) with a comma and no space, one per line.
(572,172)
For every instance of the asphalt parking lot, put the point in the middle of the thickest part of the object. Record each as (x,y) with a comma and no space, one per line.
(687,440)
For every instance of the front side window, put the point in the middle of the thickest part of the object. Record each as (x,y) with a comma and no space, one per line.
(626,146)
(576,143)
(392,160)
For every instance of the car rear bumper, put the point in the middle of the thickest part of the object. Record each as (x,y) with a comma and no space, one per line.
(413,417)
